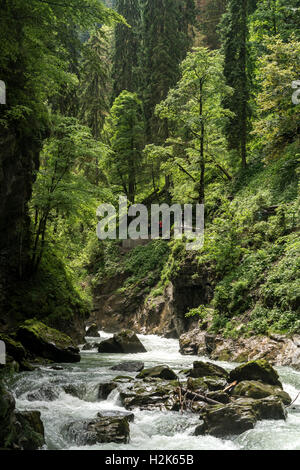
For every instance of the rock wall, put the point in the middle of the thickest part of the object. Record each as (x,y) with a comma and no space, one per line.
(164,315)
(277,349)
(19,157)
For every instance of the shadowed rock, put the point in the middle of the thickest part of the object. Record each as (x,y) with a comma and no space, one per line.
(125,342)
(99,430)
(132,366)
(92,331)
(47,343)
(159,372)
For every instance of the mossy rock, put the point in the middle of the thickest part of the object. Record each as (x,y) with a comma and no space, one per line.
(33,435)
(205,369)
(159,372)
(256,370)
(46,342)
(149,395)
(100,430)
(226,420)
(265,408)
(256,389)
(13,348)
(210,384)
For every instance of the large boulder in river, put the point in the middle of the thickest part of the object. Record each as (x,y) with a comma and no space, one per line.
(155,395)
(225,420)
(105,389)
(19,430)
(92,331)
(33,435)
(125,342)
(99,430)
(131,366)
(256,389)
(265,408)
(46,392)
(158,372)
(46,342)
(256,370)
(205,369)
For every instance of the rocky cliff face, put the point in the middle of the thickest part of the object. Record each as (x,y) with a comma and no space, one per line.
(277,349)
(19,156)
(116,308)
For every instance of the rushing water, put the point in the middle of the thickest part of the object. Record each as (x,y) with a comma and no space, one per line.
(150,429)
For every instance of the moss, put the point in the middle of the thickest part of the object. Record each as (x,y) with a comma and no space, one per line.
(256,370)
(257,390)
(45,333)
(49,296)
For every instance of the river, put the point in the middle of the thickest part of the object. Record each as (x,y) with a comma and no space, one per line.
(150,430)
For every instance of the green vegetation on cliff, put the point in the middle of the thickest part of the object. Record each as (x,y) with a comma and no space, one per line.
(214,125)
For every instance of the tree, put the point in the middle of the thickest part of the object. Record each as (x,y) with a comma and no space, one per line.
(237,71)
(196,117)
(95,89)
(275,17)
(278,122)
(166,38)
(127,42)
(59,187)
(209,15)
(124,130)
(34,62)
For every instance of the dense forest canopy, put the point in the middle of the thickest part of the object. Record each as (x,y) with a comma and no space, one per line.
(176,101)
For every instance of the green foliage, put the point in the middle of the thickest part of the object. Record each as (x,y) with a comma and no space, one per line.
(278,123)
(127,48)
(166,38)
(124,130)
(195,118)
(237,71)
(50,295)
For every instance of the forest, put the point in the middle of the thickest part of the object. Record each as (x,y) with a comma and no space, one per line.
(164,102)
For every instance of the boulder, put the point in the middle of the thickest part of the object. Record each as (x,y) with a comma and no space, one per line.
(33,435)
(159,372)
(76,390)
(192,343)
(99,430)
(7,418)
(265,408)
(205,369)
(204,384)
(132,366)
(44,393)
(13,348)
(226,420)
(89,346)
(256,370)
(47,342)
(105,389)
(125,342)
(19,430)
(155,395)
(92,331)
(116,413)
(256,389)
